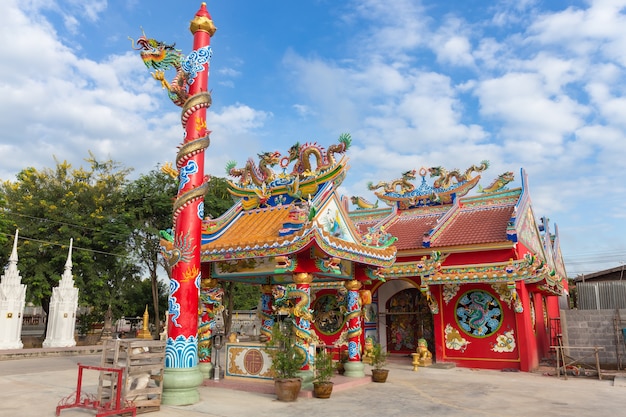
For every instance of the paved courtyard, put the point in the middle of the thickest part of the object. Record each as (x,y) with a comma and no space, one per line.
(32,387)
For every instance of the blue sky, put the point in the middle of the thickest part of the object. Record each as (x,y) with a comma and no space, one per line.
(539,85)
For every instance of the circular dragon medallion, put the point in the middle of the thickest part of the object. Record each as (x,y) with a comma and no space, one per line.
(327,314)
(478,313)
(253,361)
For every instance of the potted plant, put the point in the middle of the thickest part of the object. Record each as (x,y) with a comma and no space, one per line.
(379,359)
(343,358)
(324,369)
(286,362)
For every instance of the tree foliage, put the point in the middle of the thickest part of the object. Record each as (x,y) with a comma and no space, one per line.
(115,225)
(238,296)
(52,206)
(217,199)
(149,201)
(4,222)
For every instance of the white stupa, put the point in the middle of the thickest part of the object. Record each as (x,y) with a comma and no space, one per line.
(12,301)
(63,306)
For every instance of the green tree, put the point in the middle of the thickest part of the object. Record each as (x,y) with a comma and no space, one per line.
(149,199)
(217,199)
(52,206)
(136,295)
(237,295)
(4,222)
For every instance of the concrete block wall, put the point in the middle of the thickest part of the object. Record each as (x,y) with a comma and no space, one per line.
(591,328)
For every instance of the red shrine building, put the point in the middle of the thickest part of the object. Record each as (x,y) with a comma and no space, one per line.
(477,277)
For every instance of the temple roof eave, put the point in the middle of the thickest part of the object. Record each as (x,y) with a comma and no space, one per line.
(530,270)
(335,247)
(480,247)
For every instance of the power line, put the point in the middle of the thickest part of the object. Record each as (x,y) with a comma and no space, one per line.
(64,245)
(136,238)
(62,223)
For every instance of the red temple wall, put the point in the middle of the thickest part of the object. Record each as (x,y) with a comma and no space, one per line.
(529,356)
(479,257)
(493,351)
(541,328)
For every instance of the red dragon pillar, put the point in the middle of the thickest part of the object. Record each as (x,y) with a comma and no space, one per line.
(267,314)
(354,367)
(302,322)
(211,295)
(181,247)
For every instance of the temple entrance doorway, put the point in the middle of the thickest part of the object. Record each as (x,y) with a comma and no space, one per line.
(408,318)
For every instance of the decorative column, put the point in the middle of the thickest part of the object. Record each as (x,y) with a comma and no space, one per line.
(12,301)
(302,322)
(267,316)
(354,367)
(188,89)
(62,313)
(211,295)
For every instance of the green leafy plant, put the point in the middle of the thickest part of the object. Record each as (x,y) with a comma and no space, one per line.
(324,368)
(379,356)
(343,358)
(286,359)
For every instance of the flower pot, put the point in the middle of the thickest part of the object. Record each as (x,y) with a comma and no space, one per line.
(287,389)
(379,375)
(322,389)
(340,369)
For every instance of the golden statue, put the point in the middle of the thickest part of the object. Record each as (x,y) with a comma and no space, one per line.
(368,350)
(425,357)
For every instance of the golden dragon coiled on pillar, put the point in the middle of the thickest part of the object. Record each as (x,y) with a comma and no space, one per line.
(162,57)
(284,297)
(190,149)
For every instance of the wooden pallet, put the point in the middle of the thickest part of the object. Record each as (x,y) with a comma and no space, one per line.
(143,362)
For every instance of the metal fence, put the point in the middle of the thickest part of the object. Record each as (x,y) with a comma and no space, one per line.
(606,295)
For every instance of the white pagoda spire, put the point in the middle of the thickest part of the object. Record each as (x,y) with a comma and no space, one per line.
(12,302)
(67,279)
(63,306)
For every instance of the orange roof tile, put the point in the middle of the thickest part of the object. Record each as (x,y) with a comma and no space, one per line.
(255,233)
(252,228)
(410,230)
(475,226)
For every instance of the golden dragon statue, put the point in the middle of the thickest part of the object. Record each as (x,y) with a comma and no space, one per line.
(391,187)
(324,158)
(445,176)
(498,184)
(260,175)
(162,57)
(363,204)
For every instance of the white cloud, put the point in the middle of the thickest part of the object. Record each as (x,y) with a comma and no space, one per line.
(526,110)
(597,29)
(394,29)
(451,44)
(110,107)
(237,118)
(229,72)
(302,109)
(611,108)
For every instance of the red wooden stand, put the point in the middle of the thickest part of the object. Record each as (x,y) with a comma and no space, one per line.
(88,401)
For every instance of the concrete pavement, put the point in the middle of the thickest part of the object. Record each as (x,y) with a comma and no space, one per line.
(33,386)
